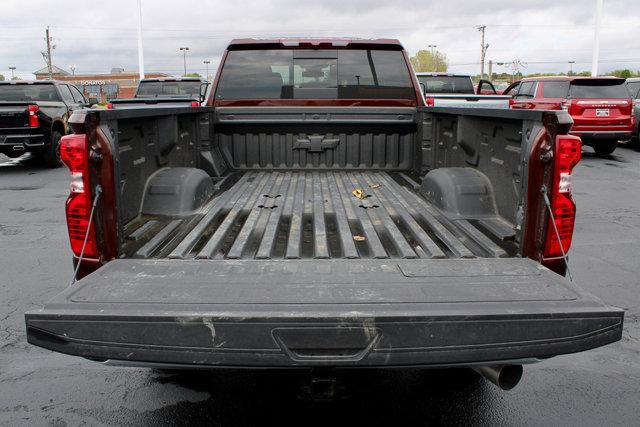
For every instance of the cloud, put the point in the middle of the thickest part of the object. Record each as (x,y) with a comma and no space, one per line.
(544,34)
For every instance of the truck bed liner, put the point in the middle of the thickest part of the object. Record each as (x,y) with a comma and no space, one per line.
(292,215)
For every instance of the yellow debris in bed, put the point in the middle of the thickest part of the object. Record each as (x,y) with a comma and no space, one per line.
(359,193)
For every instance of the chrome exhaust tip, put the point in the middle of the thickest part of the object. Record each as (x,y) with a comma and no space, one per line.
(504,376)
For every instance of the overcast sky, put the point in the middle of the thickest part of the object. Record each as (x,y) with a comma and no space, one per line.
(96,36)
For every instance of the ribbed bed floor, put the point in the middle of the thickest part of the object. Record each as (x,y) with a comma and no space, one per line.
(291,215)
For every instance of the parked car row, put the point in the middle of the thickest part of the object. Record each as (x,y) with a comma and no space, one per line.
(33,114)
(604,109)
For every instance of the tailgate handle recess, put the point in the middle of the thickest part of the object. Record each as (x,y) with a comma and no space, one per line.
(330,344)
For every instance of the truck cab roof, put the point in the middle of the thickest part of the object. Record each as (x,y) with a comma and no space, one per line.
(573,78)
(434,74)
(172,79)
(314,43)
(29,82)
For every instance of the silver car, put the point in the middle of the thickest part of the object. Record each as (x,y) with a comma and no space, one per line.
(633,84)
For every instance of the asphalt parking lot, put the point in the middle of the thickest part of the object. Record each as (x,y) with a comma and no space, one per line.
(599,387)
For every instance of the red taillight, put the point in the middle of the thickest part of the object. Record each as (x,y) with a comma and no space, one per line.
(430,102)
(567,154)
(74,152)
(34,122)
(511,102)
(195,104)
(110,106)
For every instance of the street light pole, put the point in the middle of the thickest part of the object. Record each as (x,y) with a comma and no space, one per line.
(140,52)
(184,58)
(206,63)
(12,70)
(596,38)
(571,67)
(433,56)
(73,69)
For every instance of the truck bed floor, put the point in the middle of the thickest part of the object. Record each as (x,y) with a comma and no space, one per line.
(292,215)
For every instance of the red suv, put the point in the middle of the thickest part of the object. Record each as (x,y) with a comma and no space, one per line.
(601,107)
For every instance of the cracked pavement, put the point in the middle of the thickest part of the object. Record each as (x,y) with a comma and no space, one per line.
(598,387)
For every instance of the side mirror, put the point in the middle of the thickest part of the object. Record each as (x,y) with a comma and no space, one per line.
(92,101)
(203,91)
(424,88)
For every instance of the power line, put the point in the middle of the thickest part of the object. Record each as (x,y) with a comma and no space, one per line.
(564,61)
(327,29)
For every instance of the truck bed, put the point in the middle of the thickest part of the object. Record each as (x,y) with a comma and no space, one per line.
(280,264)
(316,215)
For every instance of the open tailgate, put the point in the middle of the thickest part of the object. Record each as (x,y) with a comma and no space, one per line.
(252,313)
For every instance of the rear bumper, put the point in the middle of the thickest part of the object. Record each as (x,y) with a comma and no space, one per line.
(234,341)
(21,142)
(596,136)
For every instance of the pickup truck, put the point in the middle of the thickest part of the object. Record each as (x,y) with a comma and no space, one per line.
(318,215)
(165,92)
(458,90)
(34,116)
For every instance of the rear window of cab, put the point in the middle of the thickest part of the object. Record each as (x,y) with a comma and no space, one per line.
(315,74)
(30,92)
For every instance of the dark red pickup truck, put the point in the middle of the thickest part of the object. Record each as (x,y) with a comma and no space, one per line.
(317,214)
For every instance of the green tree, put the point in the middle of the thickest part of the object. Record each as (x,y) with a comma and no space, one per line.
(1,78)
(625,74)
(192,75)
(425,60)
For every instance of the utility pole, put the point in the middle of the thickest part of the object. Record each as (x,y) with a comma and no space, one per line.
(73,69)
(490,70)
(140,53)
(184,58)
(483,49)
(49,66)
(12,70)
(596,38)
(206,63)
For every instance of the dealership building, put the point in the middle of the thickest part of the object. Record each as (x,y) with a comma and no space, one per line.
(116,84)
